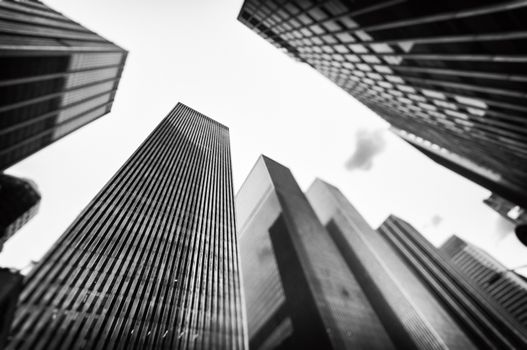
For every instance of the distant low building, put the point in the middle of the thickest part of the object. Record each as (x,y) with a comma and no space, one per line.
(19,202)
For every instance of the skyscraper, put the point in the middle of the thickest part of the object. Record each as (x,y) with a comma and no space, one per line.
(55,77)
(299,292)
(412,314)
(449,76)
(152,262)
(19,202)
(493,314)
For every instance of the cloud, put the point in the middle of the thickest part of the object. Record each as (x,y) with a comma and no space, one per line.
(436,220)
(368,145)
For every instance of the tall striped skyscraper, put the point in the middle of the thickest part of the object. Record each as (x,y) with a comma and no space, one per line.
(449,76)
(152,262)
(55,77)
(482,297)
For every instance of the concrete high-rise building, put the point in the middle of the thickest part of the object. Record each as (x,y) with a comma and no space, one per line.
(152,261)
(55,77)
(10,287)
(414,316)
(449,76)
(299,292)
(506,288)
(19,202)
(479,293)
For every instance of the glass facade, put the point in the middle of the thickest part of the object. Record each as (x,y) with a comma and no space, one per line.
(52,69)
(152,261)
(451,73)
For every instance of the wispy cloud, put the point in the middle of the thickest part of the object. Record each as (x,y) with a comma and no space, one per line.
(436,220)
(368,145)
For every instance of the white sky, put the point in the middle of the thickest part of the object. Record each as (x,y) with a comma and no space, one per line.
(196,52)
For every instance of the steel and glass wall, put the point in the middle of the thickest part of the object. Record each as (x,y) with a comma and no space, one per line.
(19,202)
(55,77)
(152,262)
(450,73)
(10,288)
(299,292)
(480,309)
(412,314)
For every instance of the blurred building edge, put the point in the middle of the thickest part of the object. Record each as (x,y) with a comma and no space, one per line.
(510,211)
(412,314)
(19,202)
(299,292)
(56,76)
(10,288)
(449,74)
(494,316)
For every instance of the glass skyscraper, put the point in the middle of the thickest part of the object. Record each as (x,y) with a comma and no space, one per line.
(55,77)
(449,76)
(152,261)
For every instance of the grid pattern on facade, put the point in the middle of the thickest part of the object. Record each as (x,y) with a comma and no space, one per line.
(480,315)
(451,73)
(56,76)
(152,261)
(505,287)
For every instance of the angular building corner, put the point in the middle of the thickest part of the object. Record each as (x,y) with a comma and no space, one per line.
(449,76)
(56,76)
(299,292)
(152,261)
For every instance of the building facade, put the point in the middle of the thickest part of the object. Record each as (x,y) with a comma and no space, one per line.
(450,77)
(506,288)
(412,314)
(492,314)
(56,76)
(299,292)
(10,288)
(152,261)
(19,202)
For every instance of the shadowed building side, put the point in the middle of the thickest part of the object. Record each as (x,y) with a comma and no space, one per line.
(56,76)
(451,73)
(10,288)
(411,313)
(299,292)
(152,261)
(19,202)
